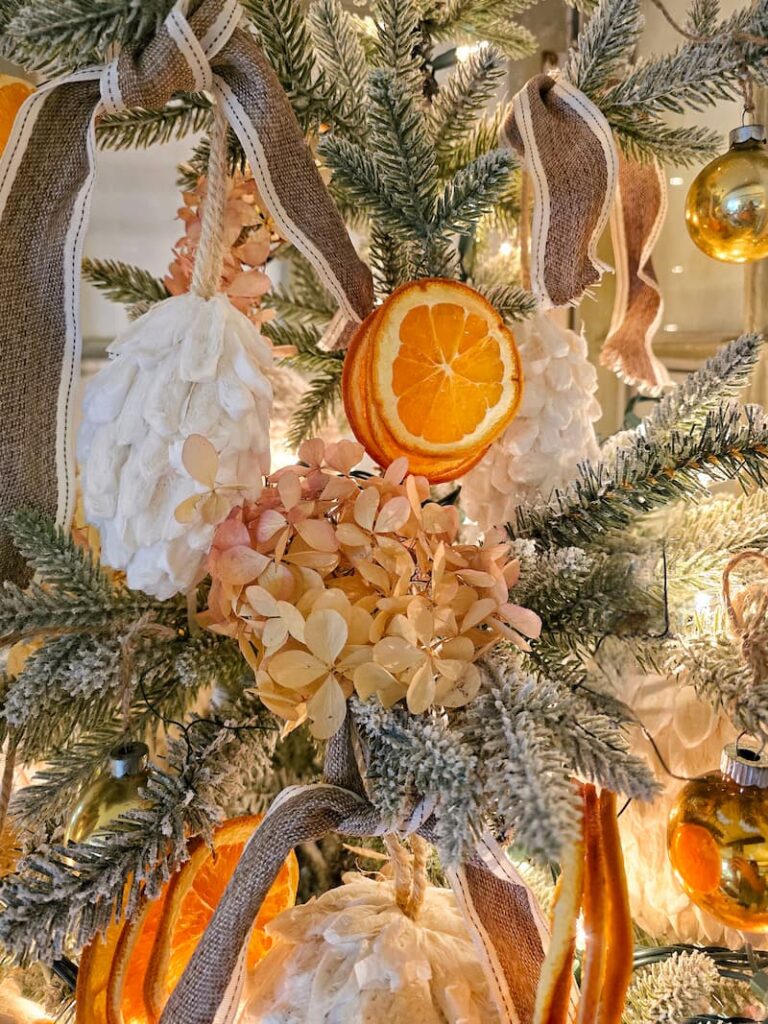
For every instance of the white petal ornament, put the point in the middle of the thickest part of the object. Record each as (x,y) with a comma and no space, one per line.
(552,433)
(176,426)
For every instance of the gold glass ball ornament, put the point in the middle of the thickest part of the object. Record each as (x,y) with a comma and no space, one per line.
(718,839)
(113,794)
(727,205)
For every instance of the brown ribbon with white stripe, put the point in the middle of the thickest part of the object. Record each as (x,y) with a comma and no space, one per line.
(46,178)
(502,915)
(636,221)
(568,151)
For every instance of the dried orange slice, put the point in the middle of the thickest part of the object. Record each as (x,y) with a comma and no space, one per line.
(445,371)
(13,92)
(368,426)
(125,1003)
(93,977)
(192,897)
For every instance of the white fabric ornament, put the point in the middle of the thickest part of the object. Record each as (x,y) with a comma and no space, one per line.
(189,366)
(353,957)
(552,433)
(182,409)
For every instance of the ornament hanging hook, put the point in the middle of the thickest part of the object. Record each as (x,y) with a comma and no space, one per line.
(748,92)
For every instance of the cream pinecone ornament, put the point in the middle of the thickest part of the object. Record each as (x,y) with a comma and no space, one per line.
(182,410)
(552,433)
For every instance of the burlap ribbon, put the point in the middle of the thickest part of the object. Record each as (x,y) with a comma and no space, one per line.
(502,915)
(636,221)
(568,150)
(46,179)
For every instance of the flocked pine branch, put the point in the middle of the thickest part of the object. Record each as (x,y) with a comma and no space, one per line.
(74,891)
(197,165)
(418,756)
(140,127)
(672,990)
(645,473)
(70,33)
(324,369)
(303,300)
(342,59)
(462,99)
(122,282)
(513,303)
(724,375)
(473,21)
(695,75)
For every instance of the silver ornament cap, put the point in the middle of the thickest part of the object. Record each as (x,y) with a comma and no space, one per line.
(129,758)
(748,134)
(745,765)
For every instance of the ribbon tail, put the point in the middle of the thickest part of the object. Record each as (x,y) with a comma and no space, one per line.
(46,181)
(509,929)
(636,223)
(569,153)
(286,176)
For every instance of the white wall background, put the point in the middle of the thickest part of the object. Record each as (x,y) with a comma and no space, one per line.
(133,219)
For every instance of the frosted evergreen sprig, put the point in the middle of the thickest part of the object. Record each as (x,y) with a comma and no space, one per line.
(454,112)
(342,59)
(140,127)
(74,891)
(473,21)
(672,990)
(731,443)
(723,375)
(604,46)
(122,282)
(414,757)
(282,29)
(64,34)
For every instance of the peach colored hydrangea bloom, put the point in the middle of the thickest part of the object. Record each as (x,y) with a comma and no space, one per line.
(249,238)
(334,582)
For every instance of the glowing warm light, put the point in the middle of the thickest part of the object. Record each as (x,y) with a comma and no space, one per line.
(702,602)
(676,181)
(677,269)
(465,52)
(505,249)
(581,934)
(671,328)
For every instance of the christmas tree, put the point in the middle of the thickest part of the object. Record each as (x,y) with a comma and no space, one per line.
(499,681)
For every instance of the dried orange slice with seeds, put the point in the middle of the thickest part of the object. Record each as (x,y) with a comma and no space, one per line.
(370,425)
(445,372)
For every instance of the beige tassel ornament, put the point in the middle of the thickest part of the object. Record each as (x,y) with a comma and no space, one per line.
(176,426)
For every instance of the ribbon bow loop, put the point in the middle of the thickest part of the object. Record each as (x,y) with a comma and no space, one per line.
(177,59)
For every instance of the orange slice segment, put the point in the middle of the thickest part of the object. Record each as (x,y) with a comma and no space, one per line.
(192,897)
(125,991)
(445,373)
(13,92)
(93,977)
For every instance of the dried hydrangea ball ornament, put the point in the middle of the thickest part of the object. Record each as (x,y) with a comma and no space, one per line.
(192,367)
